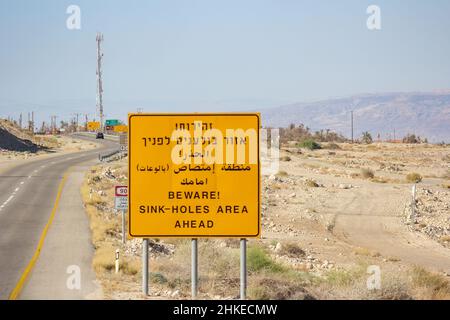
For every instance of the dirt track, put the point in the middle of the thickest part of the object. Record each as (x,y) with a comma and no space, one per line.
(371,218)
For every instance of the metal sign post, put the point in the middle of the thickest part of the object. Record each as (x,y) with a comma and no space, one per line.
(243,288)
(123,227)
(121,203)
(194,269)
(145,266)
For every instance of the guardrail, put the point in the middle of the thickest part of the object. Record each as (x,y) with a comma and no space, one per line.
(93,135)
(111,156)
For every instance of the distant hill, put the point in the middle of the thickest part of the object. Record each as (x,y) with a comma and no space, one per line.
(424,114)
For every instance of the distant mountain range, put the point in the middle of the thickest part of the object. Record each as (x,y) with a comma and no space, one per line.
(424,114)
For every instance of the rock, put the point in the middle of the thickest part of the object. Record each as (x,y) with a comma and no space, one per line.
(176,293)
(278,247)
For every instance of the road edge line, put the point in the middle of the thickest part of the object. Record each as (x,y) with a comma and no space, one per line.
(19,286)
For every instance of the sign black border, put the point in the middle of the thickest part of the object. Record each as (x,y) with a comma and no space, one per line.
(130,116)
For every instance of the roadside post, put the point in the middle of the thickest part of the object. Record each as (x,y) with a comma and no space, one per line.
(117,260)
(194,176)
(123,143)
(121,204)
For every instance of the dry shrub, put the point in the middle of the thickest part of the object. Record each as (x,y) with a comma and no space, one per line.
(367,173)
(292,250)
(285,158)
(282,173)
(272,287)
(311,183)
(413,177)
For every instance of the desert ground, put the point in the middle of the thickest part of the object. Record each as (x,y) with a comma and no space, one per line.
(329,216)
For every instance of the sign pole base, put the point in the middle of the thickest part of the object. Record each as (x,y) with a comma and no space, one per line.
(194,268)
(145,267)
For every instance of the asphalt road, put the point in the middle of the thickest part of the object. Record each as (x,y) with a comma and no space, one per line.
(27,198)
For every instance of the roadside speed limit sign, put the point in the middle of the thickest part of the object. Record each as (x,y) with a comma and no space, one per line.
(121,191)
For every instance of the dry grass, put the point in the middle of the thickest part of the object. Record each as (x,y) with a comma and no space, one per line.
(430,285)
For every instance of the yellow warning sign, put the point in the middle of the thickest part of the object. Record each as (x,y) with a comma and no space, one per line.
(93,125)
(194,175)
(120,128)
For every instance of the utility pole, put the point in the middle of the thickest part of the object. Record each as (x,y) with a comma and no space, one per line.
(76,121)
(99,40)
(20,121)
(53,124)
(352,123)
(32,123)
(86,122)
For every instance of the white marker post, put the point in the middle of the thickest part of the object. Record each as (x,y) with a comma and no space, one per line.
(243,288)
(117,260)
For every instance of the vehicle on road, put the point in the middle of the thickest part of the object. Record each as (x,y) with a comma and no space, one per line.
(99,135)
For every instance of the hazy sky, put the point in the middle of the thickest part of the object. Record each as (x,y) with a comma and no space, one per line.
(181,55)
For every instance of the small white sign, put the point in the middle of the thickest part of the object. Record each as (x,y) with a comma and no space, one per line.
(121,203)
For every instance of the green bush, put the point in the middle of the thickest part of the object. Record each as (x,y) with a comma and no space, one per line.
(310,144)
(258,260)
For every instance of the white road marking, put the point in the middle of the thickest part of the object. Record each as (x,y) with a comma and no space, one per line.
(17,189)
(22,182)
